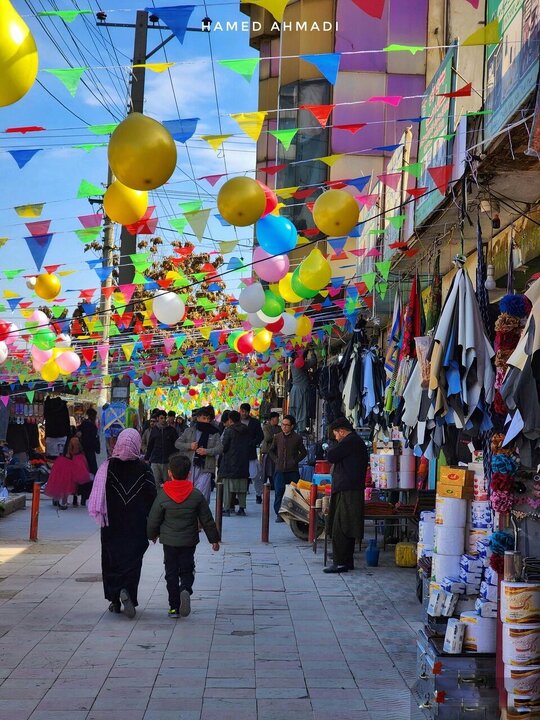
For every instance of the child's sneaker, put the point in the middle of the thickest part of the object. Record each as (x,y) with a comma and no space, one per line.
(185,603)
(173,613)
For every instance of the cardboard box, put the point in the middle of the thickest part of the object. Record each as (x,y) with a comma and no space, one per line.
(449,475)
(455,491)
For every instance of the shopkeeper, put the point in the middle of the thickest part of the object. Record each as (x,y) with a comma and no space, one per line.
(346,520)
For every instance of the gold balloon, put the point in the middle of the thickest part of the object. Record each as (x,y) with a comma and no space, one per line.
(335,213)
(241,201)
(315,272)
(123,204)
(286,291)
(50,371)
(303,326)
(47,286)
(18,55)
(142,153)
(262,340)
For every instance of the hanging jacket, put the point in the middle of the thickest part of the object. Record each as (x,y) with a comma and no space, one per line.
(256,436)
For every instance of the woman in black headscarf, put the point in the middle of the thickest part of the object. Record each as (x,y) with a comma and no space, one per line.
(201,442)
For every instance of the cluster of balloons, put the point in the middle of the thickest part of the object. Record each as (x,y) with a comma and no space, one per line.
(312,275)
(46,286)
(142,156)
(8,334)
(51,354)
(18,56)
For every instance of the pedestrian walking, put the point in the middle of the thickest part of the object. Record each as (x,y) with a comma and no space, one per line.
(234,463)
(178,511)
(68,471)
(88,434)
(256,437)
(270,428)
(346,517)
(160,448)
(146,434)
(122,495)
(201,443)
(171,421)
(286,451)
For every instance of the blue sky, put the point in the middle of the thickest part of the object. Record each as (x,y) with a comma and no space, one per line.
(54,174)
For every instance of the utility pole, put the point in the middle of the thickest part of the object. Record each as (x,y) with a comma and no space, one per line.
(106,300)
(128,242)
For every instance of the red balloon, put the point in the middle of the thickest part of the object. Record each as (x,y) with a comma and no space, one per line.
(4,330)
(276,326)
(193,392)
(233,357)
(220,375)
(245,343)
(271,198)
(185,381)
(174,378)
(146,380)
(299,362)
(212,360)
(202,376)
(259,371)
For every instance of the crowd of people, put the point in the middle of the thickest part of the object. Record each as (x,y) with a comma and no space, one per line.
(158,483)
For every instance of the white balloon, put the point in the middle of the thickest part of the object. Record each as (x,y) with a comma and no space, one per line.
(224,367)
(289,324)
(4,352)
(31,283)
(255,321)
(252,298)
(266,319)
(168,308)
(63,341)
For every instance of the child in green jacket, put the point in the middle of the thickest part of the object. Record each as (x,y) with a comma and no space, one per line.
(175,516)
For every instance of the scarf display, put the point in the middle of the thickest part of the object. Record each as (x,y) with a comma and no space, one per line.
(128,447)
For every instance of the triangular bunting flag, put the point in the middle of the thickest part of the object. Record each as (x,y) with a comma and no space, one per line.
(22,157)
(227,246)
(415,169)
(128,350)
(373,8)
(413,49)
(91,221)
(488,35)
(215,141)
(320,112)
(12,274)
(66,15)
(176,18)
(41,227)
(87,235)
(367,201)
(155,67)
(272,169)
(359,183)
(416,192)
(384,268)
(251,123)
(465,91)
(397,221)
(107,129)
(13,302)
(182,129)
(285,137)
(178,223)
(86,189)
(381,288)
(29,210)
(69,77)
(393,100)
(350,127)
(391,179)
(212,179)
(197,221)
(369,280)
(330,160)
(441,176)
(38,246)
(326,63)
(245,68)
(276,8)
(190,206)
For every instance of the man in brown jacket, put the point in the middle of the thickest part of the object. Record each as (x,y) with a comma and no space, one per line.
(286,452)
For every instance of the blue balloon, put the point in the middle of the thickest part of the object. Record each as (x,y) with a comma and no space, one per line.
(276,234)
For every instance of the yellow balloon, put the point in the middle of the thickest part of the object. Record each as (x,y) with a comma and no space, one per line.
(335,212)
(315,272)
(286,291)
(262,340)
(303,326)
(47,286)
(142,153)
(50,371)
(241,201)
(123,204)
(18,55)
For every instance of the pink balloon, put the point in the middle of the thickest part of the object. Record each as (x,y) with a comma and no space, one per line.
(269,268)
(39,317)
(68,361)
(13,334)
(41,356)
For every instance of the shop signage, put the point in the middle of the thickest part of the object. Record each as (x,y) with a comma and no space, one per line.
(433,144)
(512,65)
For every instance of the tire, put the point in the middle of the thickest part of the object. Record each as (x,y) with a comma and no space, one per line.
(301,529)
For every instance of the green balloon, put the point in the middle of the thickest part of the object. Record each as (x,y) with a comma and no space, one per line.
(44,338)
(273,304)
(232,338)
(300,289)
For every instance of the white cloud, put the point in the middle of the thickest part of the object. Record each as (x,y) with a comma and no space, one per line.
(193,89)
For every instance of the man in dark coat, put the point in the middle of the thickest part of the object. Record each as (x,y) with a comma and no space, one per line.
(286,451)
(256,436)
(349,457)
(160,448)
(234,465)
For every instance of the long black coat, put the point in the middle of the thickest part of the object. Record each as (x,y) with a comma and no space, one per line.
(234,464)
(350,460)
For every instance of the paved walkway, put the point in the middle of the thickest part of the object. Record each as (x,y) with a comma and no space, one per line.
(270,636)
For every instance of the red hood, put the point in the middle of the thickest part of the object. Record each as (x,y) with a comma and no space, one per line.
(178,490)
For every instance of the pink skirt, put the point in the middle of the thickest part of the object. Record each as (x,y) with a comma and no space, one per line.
(65,475)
